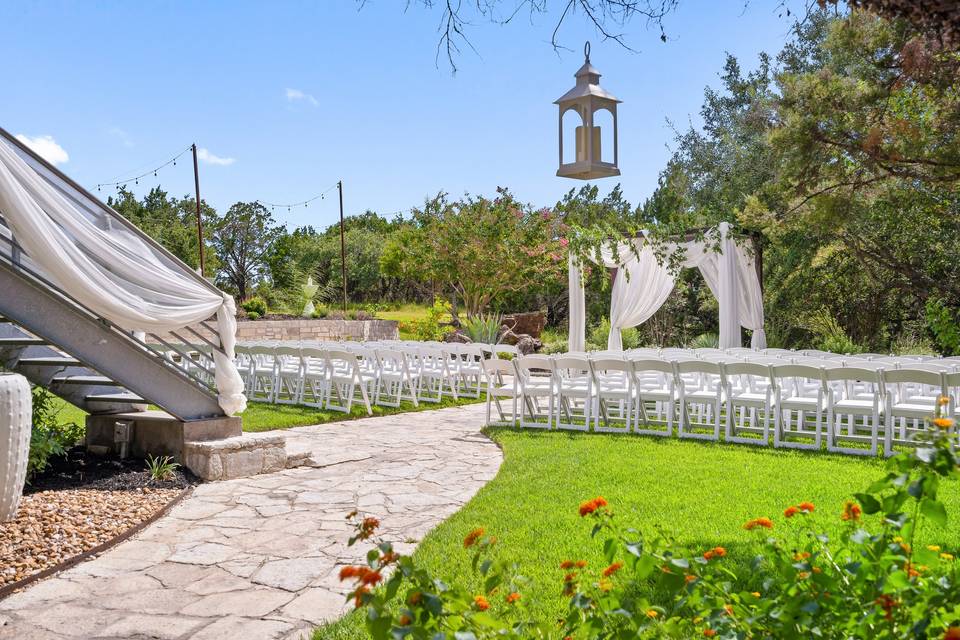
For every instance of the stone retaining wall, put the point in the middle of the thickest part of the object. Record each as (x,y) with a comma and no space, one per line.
(317,330)
(306,329)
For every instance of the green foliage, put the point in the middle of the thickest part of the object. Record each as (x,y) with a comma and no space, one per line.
(598,335)
(829,334)
(483,327)
(320,312)
(48,437)
(705,341)
(256,304)
(244,238)
(477,249)
(161,469)
(942,324)
(874,580)
(253,315)
(435,325)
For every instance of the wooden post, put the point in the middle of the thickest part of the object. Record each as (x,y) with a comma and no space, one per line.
(196,184)
(343,249)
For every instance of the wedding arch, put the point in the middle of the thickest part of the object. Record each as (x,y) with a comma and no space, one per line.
(642,285)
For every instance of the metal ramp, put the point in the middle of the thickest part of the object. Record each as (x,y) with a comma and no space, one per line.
(57,343)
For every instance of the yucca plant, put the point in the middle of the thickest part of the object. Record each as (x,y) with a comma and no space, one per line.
(483,327)
(161,469)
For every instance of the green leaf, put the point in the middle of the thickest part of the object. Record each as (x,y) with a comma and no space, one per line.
(934,511)
(868,502)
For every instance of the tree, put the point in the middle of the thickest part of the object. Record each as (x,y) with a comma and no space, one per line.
(476,249)
(243,239)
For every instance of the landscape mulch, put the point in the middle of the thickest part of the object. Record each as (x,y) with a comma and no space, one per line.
(81,502)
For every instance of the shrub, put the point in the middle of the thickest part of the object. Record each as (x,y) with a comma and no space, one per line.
(943,326)
(483,327)
(48,437)
(256,305)
(598,336)
(874,581)
(705,341)
(829,334)
(320,312)
(253,315)
(437,323)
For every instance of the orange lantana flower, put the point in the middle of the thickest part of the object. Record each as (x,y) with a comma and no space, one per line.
(513,597)
(709,633)
(791,511)
(806,506)
(766,523)
(851,511)
(652,613)
(481,603)
(588,507)
(472,537)
(612,569)
(953,633)
(943,423)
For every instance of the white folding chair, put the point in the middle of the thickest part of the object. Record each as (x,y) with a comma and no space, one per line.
(616,399)
(912,396)
(262,373)
(395,382)
(469,369)
(535,376)
(798,389)
(574,388)
(346,380)
(700,388)
(846,397)
(656,388)
(288,374)
(749,393)
(432,365)
(501,378)
(315,385)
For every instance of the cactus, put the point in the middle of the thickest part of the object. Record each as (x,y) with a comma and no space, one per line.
(15,418)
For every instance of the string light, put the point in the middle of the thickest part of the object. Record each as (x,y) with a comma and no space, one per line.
(136,179)
(303,203)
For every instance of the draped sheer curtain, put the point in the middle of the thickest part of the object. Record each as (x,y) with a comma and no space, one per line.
(110,270)
(642,285)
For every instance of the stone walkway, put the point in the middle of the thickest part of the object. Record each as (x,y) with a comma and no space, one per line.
(258,558)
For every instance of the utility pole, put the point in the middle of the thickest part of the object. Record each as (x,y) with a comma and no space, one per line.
(343,249)
(196,183)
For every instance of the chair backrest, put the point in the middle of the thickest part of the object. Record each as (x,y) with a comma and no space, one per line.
(781,372)
(498,366)
(505,348)
(531,363)
(653,365)
(571,364)
(603,365)
(698,366)
(914,375)
(748,369)
(858,374)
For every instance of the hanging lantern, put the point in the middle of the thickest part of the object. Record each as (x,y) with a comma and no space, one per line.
(585,99)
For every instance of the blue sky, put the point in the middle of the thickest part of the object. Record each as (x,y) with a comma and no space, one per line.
(289,97)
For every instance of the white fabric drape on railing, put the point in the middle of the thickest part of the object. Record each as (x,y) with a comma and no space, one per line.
(111,271)
(730,275)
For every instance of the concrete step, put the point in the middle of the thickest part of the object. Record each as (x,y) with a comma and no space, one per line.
(101,381)
(49,361)
(115,398)
(21,342)
(238,457)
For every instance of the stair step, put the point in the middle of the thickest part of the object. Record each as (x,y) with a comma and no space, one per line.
(115,397)
(21,342)
(52,361)
(88,380)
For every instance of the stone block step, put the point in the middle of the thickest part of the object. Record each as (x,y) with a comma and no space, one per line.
(237,457)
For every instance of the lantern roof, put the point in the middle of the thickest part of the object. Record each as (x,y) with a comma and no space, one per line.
(588,83)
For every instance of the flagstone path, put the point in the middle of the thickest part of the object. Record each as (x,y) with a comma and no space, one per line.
(257,558)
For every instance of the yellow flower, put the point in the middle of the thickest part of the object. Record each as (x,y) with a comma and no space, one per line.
(942,400)
(755,594)
(933,547)
(946,556)
(652,613)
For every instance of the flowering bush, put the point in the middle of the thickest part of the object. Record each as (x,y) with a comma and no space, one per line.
(875,581)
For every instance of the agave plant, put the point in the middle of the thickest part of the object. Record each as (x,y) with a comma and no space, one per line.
(483,327)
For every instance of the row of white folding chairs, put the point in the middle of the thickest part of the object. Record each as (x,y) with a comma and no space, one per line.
(333,375)
(807,402)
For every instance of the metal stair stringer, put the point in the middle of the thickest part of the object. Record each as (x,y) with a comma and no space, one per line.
(115,357)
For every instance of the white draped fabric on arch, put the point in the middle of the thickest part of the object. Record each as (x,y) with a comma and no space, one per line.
(730,274)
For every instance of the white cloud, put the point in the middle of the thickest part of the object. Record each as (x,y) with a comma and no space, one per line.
(205,156)
(121,135)
(46,147)
(295,95)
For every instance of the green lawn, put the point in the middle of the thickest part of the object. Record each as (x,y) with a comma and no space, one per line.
(700,492)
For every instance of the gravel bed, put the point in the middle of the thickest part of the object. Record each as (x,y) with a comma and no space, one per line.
(80,502)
